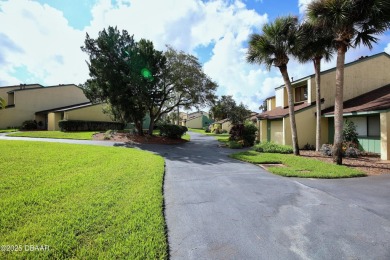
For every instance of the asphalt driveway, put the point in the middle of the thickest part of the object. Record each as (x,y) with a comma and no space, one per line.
(220,208)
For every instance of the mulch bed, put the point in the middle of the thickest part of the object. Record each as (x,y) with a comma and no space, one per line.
(371,165)
(146,139)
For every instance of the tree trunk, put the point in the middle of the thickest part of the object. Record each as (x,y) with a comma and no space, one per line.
(138,125)
(294,135)
(178,116)
(317,69)
(338,106)
(151,125)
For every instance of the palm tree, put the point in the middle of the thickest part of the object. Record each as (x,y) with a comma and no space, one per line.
(351,22)
(314,45)
(273,48)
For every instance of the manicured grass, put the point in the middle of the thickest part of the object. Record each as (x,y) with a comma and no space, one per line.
(8,130)
(84,202)
(56,134)
(296,166)
(186,137)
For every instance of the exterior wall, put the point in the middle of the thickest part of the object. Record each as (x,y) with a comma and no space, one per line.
(90,113)
(271,103)
(279,97)
(4,90)
(276,131)
(27,102)
(194,123)
(385,134)
(306,128)
(262,133)
(227,126)
(359,78)
(324,130)
(206,121)
(52,121)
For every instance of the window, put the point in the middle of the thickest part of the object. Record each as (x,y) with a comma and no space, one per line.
(300,94)
(373,126)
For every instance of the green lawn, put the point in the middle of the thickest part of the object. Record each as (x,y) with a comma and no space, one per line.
(84,202)
(56,134)
(296,166)
(8,130)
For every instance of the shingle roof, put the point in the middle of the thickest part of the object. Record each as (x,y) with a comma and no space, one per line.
(65,108)
(376,100)
(280,112)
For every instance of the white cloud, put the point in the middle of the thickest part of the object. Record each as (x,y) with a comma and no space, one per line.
(387,49)
(302,4)
(50,49)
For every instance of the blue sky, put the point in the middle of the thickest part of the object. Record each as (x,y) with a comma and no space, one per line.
(40,39)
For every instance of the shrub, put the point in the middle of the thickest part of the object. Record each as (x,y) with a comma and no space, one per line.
(350,150)
(326,149)
(269,147)
(172,131)
(349,132)
(80,125)
(309,147)
(245,133)
(108,134)
(224,131)
(207,130)
(249,134)
(234,145)
(216,128)
(29,125)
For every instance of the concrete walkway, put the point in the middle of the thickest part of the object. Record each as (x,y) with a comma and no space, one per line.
(220,208)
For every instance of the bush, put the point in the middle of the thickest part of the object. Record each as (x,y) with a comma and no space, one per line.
(216,128)
(108,134)
(350,150)
(80,125)
(326,150)
(224,131)
(207,130)
(172,131)
(309,147)
(245,133)
(349,132)
(269,147)
(29,125)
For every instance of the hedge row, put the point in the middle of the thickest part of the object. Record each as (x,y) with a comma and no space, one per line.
(81,125)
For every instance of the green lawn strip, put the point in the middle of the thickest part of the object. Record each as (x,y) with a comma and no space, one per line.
(296,166)
(186,137)
(84,202)
(56,135)
(8,130)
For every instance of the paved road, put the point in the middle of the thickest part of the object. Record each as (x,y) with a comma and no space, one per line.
(219,208)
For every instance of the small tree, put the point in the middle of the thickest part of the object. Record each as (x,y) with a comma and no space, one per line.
(349,132)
